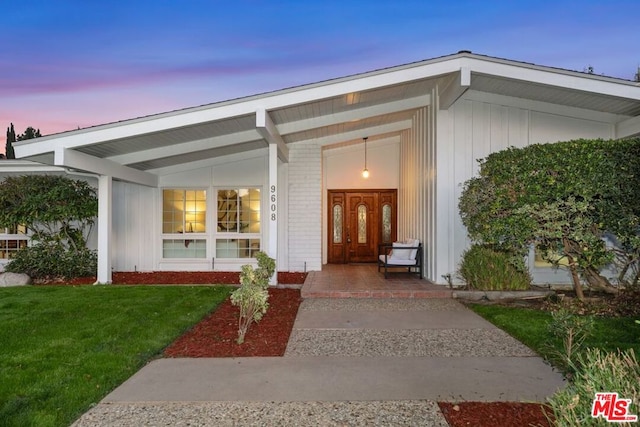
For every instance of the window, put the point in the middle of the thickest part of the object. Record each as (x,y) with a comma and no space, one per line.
(557,257)
(12,239)
(239,226)
(184,212)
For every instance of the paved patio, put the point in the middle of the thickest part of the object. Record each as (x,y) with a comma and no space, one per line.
(364,281)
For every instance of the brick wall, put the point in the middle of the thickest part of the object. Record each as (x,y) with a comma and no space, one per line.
(305,206)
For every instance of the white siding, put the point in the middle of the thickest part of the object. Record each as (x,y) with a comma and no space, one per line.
(416,195)
(136,228)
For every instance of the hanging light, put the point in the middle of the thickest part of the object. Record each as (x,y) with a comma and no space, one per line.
(365,171)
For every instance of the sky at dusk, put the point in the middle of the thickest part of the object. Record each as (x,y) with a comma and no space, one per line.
(66,64)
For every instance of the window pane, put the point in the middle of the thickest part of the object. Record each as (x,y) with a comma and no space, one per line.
(9,247)
(184,248)
(184,211)
(386,223)
(337,224)
(237,248)
(362,224)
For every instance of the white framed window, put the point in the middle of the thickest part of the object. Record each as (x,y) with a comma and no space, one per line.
(12,239)
(184,223)
(238,229)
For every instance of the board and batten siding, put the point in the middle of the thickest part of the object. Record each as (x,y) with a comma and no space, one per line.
(469,131)
(135,229)
(416,192)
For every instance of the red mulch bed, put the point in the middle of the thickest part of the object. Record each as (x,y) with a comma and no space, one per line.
(216,335)
(491,414)
(178,278)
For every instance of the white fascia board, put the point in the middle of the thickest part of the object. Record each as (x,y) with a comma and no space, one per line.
(269,132)
(186,147)
(17,166)
(554,77)
(629,127)
(76,160)
(358,134)
(355,114)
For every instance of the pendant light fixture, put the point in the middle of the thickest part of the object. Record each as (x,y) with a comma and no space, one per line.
(365,171)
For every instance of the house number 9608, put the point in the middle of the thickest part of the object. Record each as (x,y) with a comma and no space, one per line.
(273,203)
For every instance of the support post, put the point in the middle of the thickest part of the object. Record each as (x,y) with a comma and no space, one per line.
(272,244)
(105,196)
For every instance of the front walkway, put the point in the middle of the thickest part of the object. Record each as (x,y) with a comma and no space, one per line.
(364,281)
(352,361)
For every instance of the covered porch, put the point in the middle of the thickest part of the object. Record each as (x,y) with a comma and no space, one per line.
(364,281)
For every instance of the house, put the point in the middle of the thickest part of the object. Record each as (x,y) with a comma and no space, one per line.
(204,188)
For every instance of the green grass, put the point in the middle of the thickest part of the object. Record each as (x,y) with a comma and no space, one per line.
(62,349)
(531,327)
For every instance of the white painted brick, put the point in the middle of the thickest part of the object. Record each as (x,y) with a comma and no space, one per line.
(305,207)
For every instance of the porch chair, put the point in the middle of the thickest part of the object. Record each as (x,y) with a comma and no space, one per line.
(401,254)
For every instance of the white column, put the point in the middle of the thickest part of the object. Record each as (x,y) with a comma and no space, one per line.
(272,244)
(105,196)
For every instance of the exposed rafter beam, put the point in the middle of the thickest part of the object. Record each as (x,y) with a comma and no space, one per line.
(76,160)
(268,130)
(628,127)
(370,131)
(354,114)
(186,147)
(455,89)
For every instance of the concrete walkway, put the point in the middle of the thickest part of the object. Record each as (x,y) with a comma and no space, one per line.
(348,362)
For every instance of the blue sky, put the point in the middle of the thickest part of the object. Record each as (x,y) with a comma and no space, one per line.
(69,64)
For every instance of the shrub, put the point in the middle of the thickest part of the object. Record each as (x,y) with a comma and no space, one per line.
(59,213)
(484,268)
(572,330)
(252,295)
(597,371)
(53,260)
(564,198)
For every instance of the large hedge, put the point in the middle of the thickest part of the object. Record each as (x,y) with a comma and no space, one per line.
(563,198)
(59,213)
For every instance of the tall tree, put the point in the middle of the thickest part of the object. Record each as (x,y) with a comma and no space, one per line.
(11,138)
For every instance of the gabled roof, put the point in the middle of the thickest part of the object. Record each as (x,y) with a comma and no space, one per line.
(378,104)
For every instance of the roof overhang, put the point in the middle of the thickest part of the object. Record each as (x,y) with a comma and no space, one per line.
(378,104)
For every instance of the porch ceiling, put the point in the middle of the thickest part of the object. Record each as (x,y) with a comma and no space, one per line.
(378,105)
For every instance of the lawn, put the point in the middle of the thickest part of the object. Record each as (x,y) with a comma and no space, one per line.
(64,348)
(531,327)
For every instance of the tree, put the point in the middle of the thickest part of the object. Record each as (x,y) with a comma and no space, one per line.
(563,198)
(11,138)
(29,133)
(59,212)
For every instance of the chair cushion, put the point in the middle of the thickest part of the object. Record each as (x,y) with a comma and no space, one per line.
(396,261)
(401,254)
(414,244)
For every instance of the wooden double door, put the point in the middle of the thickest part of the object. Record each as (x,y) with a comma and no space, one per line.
(360,220)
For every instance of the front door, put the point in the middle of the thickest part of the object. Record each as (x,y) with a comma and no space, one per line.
(358,222)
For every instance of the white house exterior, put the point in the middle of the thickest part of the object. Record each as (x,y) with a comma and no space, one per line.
(171,184)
